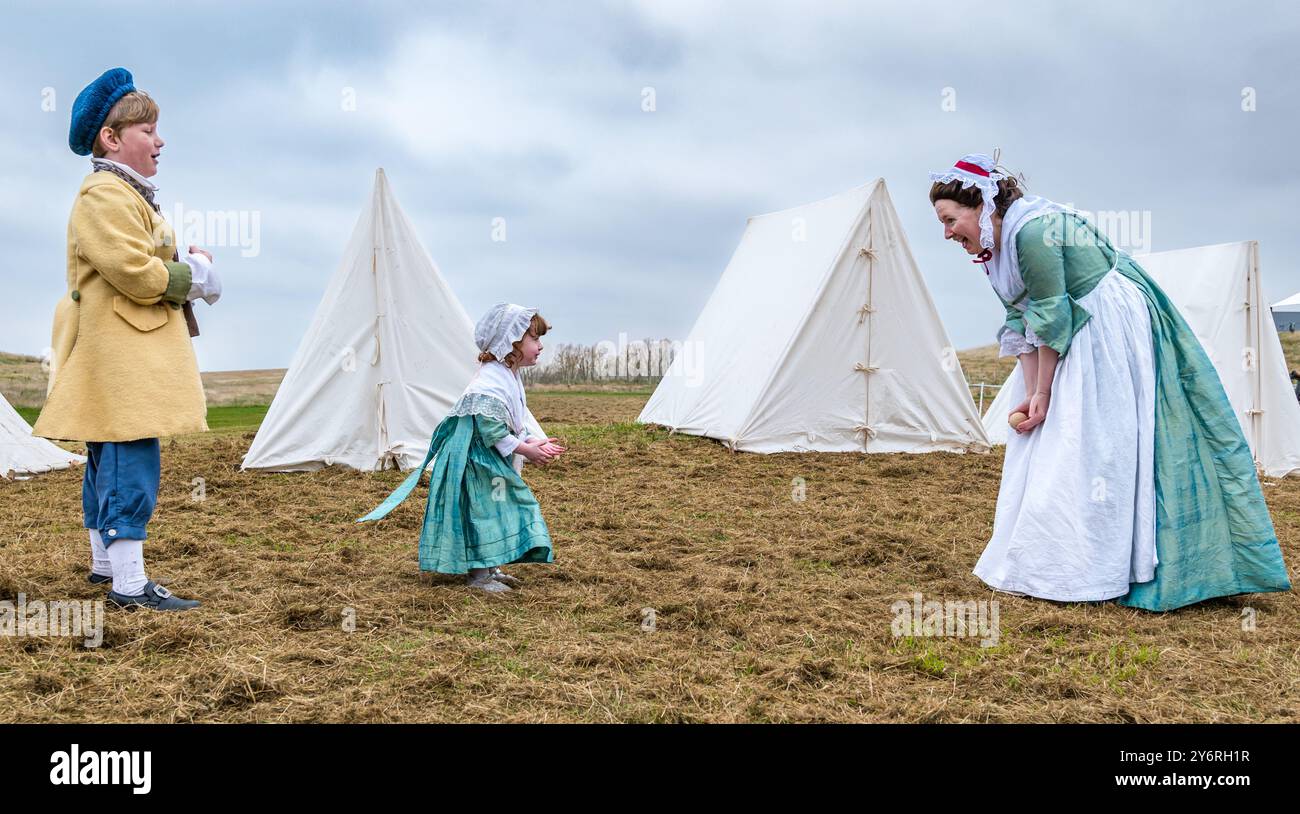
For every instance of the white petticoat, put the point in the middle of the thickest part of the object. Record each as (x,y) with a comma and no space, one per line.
(1075,518)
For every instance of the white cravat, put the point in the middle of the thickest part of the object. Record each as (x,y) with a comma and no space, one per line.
(139,179)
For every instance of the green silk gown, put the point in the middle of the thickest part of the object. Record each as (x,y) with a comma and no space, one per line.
(480,513)
(1214,536)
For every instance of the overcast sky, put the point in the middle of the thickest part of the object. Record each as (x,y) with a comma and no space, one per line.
(619,219)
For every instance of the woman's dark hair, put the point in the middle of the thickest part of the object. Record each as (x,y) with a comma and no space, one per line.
(1010,189)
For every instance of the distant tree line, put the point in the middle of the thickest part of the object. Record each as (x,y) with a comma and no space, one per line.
(641,361)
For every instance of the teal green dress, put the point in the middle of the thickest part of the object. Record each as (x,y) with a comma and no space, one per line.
(1214,536)
(480,513)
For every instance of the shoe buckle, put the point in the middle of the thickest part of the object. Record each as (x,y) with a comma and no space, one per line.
(162,592)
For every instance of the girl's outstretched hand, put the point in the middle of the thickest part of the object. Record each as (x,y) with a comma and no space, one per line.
(534,452)
(552,447)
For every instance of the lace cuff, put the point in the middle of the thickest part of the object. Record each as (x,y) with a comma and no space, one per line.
(482,404)
(1011,343)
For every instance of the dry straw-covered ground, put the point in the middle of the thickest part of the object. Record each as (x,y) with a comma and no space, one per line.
(766,608)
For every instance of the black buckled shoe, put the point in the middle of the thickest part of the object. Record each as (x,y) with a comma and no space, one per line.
(154,597)
(98,579)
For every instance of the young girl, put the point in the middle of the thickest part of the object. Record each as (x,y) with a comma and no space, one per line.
(481,515)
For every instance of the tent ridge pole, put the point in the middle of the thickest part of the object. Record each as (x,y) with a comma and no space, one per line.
(870,254)
(1256,315)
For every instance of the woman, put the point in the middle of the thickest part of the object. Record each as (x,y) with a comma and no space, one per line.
(1131,478)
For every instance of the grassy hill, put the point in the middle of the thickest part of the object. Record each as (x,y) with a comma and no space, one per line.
(22,383)
(22,380)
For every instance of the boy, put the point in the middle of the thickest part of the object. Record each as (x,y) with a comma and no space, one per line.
(123,370)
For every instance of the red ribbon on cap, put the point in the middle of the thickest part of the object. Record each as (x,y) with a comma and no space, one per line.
(969,167)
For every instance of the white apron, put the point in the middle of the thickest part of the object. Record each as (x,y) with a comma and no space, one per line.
(1075,518)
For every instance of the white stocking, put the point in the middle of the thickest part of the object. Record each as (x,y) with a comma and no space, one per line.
(99,562)
(128,567)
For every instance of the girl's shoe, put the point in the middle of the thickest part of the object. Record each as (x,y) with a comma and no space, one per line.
(503,577)
(487,584)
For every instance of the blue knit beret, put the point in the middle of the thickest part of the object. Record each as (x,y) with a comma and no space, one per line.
(92,106)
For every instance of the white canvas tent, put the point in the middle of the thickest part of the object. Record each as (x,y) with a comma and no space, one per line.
(388,353)
(1286,313)
(1218,291)
(23,454)
(821,336)
(1291,304)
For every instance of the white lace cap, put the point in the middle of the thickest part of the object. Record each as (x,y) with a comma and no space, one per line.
(503,325)
(987,181)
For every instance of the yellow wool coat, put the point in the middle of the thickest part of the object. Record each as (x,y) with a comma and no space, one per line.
(123,366)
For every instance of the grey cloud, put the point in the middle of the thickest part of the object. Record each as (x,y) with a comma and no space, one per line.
(621,220)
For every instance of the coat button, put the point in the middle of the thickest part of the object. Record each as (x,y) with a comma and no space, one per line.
(76,295)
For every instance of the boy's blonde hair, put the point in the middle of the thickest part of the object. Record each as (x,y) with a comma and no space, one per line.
(135,107)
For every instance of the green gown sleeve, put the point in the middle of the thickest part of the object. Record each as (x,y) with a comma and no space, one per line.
(1051,313)
(490,430)
(1015,320)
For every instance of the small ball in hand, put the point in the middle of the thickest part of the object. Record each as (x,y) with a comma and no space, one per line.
(1016,418)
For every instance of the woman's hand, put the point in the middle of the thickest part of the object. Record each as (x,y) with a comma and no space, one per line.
(1022,407)
(534,451)
(1038,405)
